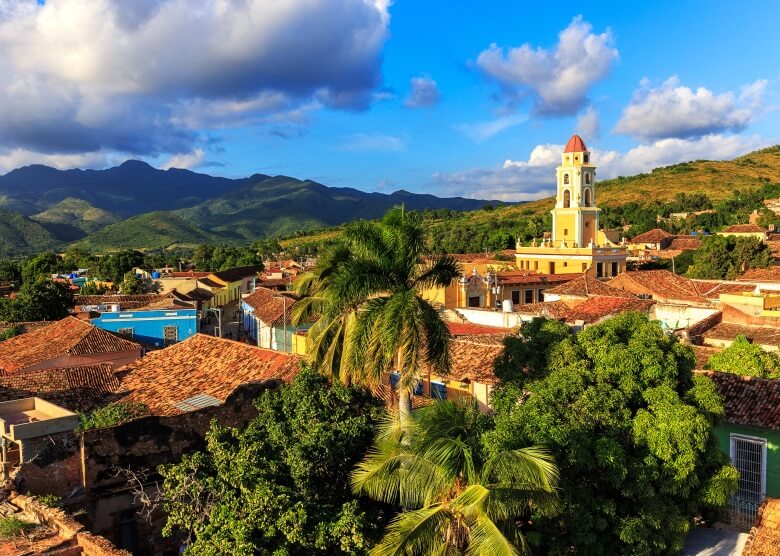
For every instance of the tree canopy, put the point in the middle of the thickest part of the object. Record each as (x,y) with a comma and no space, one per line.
(38,299)
(281,485)
(725,257)
(745,358)
(630,427)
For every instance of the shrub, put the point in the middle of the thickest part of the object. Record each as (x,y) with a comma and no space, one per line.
(51,500)
(12,526)
(111,415)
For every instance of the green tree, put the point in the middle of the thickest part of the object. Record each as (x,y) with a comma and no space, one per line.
(92,288)
(113,267)
(39,299)
(43,264)
(457,499)
(10,271)
(280,486)
(525,356)
(131,284)
(630,427)
(745,358)
(767,218)
(725,257)
(374,319)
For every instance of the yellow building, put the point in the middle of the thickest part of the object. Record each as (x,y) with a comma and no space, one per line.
(577,245)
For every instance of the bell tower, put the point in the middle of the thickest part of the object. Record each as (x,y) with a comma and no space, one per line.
(575,218)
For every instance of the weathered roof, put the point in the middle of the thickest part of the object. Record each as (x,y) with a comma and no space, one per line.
(748,401)
(473,357)
(237,273)
(744,229)
(549,309)
(712,289)
(764,537)
(75,388)
(201,365)
(124,301)
(600,307)
(209,283)
(587,286)
(655,235)
(763,335)
(663,284)
(771,274)
(69,336)
(685,243)
(270,306)
(471,329)
(575,145)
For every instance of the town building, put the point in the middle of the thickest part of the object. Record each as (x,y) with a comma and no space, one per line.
(577,244)
(745,230)
(70,342)
(267,319)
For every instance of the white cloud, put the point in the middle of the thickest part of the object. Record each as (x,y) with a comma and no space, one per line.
(673,110)
(16,158)
(557,79)
(588,123)
(371,142)
(187,161)
(523,180)
(423,93)
(485,130)
(144,77)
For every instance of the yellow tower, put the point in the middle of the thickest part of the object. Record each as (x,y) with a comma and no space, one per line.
(575,216)
(576,244)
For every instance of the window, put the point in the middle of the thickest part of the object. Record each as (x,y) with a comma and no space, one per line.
(599,270)
(541,294)
(438,390)
(529,296)
(565,263)
(125,332)
(536,265)
(474,301)
(587,178)
(516,297)
(566,179)
(615,268)
(748,454)
(585,158)
(587,193)
(170,335)
(565,232)
(566,199)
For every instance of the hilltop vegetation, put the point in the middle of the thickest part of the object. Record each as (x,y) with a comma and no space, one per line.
(72,219)
(19,235)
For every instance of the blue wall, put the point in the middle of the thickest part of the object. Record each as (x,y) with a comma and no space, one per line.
(148,325)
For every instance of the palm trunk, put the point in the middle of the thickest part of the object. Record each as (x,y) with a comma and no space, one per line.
(404,405)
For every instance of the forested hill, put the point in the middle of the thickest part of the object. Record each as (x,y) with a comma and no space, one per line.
(737,186)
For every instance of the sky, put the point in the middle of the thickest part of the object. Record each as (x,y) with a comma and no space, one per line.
(465,98)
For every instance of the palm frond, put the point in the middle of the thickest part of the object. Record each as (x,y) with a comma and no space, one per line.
(414,532)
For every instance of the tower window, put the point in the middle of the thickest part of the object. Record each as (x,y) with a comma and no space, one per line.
(587,193)
(566,179)
(566,197)
(565,231)
(585,158)
(587,178)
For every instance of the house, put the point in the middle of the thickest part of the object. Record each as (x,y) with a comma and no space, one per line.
(267,319)
(168,320)
(745,230)
(754,314)
(599,308)
(750,435)
(577,245)
(230,284)
(69,342)
(655,239)
(101,303)
(578,291)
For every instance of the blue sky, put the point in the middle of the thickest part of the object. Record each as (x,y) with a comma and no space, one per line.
(452,98)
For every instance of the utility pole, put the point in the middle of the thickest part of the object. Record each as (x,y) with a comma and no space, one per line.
(218,311)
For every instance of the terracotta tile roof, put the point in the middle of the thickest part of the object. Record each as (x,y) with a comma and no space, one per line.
(748,401)
(685,243)
(471,329)
(587,286)
(472,357)
(549,309)
(209,283)
(664,285)
(763,335)
(388,395)
(201,365)
(575,145)
(771,274)
(238,273)
(600,307)
(69,336)
(743,229)
(270,306)
(656,235)
(171,300)
(764,537)
(703,354)
(517,277)
(189,274)
(76,388)
(124,301)
(712,290)
(198,294)
(275,282)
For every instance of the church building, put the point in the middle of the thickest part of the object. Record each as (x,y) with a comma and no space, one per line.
(576,244)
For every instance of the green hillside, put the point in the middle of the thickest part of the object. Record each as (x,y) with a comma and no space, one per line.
(20,236)
(72,219)
(151,230)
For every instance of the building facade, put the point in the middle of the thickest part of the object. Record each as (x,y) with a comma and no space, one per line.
(159,327)
(577,244)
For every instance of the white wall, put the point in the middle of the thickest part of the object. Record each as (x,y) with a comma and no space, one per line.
(491,318)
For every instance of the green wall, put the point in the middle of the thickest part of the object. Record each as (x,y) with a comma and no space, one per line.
(723,431)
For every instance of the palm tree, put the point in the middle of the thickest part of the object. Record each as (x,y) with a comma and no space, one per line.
(373,318)
(456,498)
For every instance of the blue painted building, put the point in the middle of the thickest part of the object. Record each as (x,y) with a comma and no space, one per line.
(158,327)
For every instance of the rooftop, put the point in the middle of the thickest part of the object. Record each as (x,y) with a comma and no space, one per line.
(471,329)
(575,145)
(764,538)
(762,335)
(69,336)
(771,274)
(744,229)
(75,388)
(124,301)
(600,307)
(270,306)
(201,367)
(549,309)
(748,401)
(587,286)
(684,243)
(663,284)
(517,277)
(237,273)
(655,235)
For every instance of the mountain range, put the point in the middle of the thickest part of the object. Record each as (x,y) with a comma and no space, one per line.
(136,205)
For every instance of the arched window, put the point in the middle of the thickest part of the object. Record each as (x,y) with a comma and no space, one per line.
(566,179)
(587,178)
(587,197)
(566,199)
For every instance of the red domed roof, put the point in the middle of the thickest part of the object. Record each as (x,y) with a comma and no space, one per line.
(575,145)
